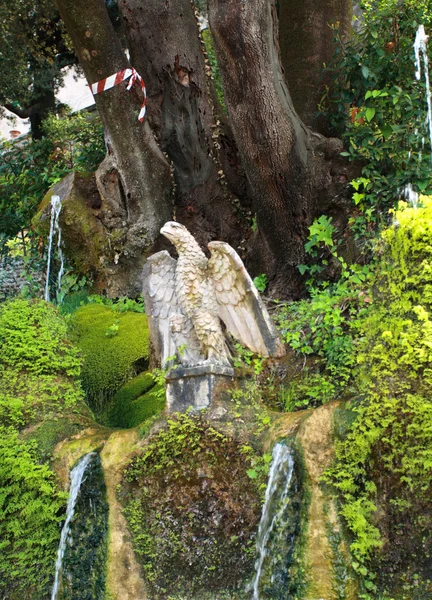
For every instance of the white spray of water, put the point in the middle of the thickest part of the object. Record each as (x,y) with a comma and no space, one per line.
(420,51)
(410,195)
(76,479)
(55,228)
(280,476)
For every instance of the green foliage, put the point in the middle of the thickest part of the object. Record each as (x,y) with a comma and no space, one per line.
(138,400)
(33,51)
(192,510)
(387,131)
(38,365)
(109,361)
(214,67)
(29,520)
(261,282)
(386,457)
(324,327)
(28,170)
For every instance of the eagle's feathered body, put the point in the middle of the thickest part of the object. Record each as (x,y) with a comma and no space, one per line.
(191,298)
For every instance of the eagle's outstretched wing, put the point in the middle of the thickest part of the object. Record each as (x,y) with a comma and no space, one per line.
(169,328)
(240,305)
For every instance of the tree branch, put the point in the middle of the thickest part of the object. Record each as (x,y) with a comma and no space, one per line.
(19,112)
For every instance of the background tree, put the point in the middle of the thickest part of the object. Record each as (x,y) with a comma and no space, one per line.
(307,33)
(34,49)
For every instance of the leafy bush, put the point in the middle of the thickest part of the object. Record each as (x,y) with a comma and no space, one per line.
(385,460)
(28,169)
(192,510)
(110,355)
(386,128)
(30,509)
(324,326)
(139,399)
(38,365)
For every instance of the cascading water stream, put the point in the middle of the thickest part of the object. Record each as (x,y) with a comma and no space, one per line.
(76,479)
(275,504)
(420,51)
(54,229)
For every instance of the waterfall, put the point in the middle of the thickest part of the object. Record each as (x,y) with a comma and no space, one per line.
(420,50)
(54,229)
(275,504)
(76,479)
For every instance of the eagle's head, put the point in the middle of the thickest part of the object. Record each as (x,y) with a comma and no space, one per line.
(174,231)
(182,239)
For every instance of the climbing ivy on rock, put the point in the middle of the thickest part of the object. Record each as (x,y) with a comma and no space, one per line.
(379,108)
(383,467)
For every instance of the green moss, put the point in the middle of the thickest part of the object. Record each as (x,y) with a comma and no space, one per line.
(193,511)
(50,432)
(112,345)
(139,399)
(385,460)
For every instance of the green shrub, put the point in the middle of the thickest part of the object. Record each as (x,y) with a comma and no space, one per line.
(324,327)
(38,364)
(27,171)
(30,511)
(385,460)
(387,129)
(139,399)
(112,343)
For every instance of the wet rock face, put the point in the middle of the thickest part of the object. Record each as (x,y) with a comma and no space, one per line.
(193,512)
(84,563)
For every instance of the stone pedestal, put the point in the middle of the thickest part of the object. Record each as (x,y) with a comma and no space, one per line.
(195,386)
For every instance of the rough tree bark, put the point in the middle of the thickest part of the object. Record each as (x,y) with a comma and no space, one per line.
(285,163)
(307,42)
(134,180)
(165,47)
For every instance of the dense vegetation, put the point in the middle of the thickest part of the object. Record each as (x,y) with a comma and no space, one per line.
(38,388)
(360,334)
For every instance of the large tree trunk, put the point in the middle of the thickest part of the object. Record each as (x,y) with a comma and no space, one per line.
(293,174)
(166,49)
(273,142)
(307,42)
(134,180)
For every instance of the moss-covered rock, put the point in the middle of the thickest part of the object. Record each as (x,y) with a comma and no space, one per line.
(139,399)
(82,233)
(84,561)
(114,347)
(193,511)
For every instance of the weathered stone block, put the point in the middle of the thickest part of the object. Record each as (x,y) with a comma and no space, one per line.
(196,386)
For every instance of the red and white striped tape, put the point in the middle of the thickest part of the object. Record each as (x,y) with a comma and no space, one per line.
(112,80)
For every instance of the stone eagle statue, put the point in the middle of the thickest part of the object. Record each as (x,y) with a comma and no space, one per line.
(191,302)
